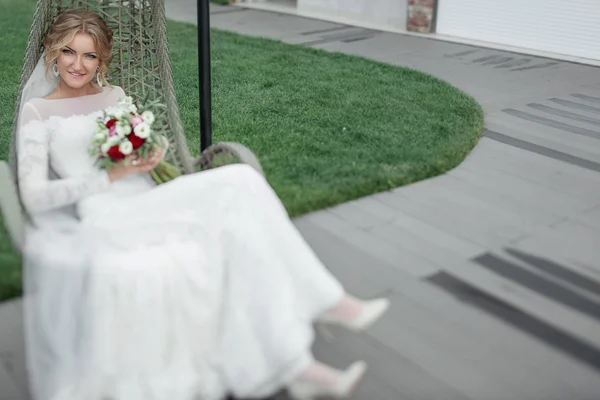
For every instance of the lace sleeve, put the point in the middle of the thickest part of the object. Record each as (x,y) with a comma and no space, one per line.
(38,192)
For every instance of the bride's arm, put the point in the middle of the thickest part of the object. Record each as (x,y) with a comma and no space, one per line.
(38,192)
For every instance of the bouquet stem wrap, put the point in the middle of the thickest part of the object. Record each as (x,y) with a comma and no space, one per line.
(164,172)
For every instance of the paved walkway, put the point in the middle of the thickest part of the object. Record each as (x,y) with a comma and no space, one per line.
(493,267)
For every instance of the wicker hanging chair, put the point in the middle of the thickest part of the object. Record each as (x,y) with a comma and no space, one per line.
(141,66)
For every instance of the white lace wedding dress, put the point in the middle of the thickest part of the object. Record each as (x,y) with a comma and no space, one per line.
(180,291)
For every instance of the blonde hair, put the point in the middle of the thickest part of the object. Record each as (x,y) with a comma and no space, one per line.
(71,22)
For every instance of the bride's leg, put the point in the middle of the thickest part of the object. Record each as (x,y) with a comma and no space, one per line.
(257,204)
(347,309)
(276,287)
(301,262)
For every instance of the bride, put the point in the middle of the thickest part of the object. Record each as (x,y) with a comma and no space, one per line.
(188,290)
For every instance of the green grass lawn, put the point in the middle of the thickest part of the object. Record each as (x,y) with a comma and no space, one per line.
(327,127)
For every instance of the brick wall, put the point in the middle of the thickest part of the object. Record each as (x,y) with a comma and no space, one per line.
(421,15)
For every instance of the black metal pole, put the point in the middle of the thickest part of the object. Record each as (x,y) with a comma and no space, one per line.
(204,73)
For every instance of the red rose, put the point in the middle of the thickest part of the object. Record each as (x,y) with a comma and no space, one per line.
(115,154)
(111,123)
(135,141)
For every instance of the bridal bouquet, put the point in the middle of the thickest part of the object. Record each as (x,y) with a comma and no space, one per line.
(127,129)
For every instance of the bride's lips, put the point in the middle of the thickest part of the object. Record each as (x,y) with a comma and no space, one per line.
(76,76)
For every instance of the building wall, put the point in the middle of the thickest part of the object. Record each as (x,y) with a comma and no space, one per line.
(391,14)
(563,27)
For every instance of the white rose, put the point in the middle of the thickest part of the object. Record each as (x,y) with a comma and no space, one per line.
(127,100)
(142,130)
(100,136)
(148,117)
(126,147)
(104,148)
(111,111)
(119,113)
(123,129)
(113,140)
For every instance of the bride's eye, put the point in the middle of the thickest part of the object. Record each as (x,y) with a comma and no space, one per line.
(92,56)
(67,51)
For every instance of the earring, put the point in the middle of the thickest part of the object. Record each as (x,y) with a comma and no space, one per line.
(55,70)
(99,79)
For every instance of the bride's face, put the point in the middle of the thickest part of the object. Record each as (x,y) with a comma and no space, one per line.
(78,61)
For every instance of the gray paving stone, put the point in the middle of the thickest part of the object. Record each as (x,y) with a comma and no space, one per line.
(447,218)
(457,342)
(361,274)
(569,240)
(539,170)
(408,380)
(340,356)
(557,122)
(8,390)
(439,360)
(468,206)
(559,203)
(591,218)
(576,280)
(269,25)
(358,218)
(417,227)
(12,353)
(568,115)
(504,198)
(551,312)
(395,258)
(575,379)
(402,236)
(580,146)
(573,105)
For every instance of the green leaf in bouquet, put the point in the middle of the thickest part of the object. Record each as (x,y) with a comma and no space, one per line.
(108,163)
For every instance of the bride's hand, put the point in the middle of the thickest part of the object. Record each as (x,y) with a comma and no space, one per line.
(133,164)
(156,155)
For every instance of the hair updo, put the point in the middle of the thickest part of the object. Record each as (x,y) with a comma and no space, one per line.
(71,22)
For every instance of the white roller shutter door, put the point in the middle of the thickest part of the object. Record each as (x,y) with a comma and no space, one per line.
(569,27)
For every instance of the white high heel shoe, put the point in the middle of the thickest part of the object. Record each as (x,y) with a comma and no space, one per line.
(371,311)
(347,382)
